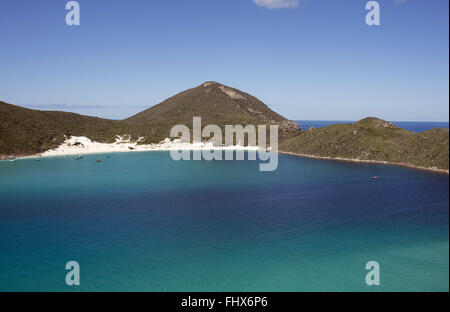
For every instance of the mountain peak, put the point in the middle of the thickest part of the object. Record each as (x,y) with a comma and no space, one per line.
(216,104)
(231,92)
(210,83)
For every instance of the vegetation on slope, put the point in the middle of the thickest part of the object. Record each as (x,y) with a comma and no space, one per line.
(374,139)
(215,104)
(25,131)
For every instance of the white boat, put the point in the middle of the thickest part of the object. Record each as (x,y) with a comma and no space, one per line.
(79,157)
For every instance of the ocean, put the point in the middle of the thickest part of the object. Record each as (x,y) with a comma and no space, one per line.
(415,126)
(143,222)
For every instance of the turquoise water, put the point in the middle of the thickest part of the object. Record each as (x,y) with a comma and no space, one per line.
(142,222)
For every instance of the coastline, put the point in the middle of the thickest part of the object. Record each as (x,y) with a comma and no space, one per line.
(75,146)
(375,162)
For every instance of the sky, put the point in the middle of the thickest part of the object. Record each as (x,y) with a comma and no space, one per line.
(306,59)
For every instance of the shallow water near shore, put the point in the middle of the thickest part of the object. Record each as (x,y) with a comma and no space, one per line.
(143,222)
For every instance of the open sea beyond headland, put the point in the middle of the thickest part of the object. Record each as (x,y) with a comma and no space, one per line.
(143,222)
(415,126)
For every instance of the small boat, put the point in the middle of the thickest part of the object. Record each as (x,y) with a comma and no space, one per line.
(12,160)
(38,159)
(375,178)
(99,160)
(79,157)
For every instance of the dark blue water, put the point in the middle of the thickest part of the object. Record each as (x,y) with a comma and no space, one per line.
(142,222)
(416,126)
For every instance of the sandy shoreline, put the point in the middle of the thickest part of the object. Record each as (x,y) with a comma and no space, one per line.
(378,162)
(75,146)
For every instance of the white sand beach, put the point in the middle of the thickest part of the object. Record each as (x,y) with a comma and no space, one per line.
(82,145)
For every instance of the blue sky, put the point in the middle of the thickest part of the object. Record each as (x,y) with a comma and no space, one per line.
(307,59)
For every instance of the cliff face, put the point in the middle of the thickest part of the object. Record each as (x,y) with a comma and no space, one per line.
(374,139)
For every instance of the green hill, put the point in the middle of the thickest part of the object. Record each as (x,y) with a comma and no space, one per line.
(374,139)
(26,131)
(215,104)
